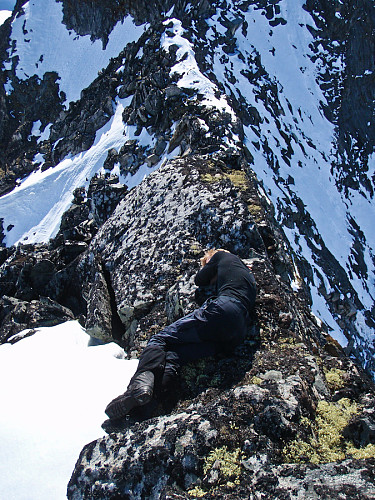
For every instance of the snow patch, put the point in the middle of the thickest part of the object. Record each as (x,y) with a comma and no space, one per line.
(52,405)
(190,75)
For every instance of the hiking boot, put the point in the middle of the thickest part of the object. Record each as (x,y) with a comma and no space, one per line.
(139,393)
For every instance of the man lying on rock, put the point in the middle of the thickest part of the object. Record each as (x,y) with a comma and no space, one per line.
(219,325)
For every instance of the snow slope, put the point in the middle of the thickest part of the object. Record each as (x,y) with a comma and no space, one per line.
(48,46)
(50,193)
(304,174)
(62,387)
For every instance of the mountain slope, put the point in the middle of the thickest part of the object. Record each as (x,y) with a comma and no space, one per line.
(134,136)
(278,73)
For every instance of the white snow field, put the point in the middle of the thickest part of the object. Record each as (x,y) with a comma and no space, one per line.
(53,394)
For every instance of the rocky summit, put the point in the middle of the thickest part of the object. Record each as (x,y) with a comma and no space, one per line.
(134,137)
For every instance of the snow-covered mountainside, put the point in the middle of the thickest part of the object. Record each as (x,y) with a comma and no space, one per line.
(135,135)
(125,90)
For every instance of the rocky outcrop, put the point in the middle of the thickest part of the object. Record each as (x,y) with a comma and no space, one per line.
(17,315)
(157,232)
(34,100)
(98,19)
(284,410)
(38,283)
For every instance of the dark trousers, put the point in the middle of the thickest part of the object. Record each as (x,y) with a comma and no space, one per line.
(219,325)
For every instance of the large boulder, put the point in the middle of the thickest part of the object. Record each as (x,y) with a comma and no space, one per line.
(154,238)
(279,414)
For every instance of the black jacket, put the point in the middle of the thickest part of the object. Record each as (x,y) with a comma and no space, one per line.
(233,278)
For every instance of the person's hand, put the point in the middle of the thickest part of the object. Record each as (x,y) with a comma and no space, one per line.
(207,256)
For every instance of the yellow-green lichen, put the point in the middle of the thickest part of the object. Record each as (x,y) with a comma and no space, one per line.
(211,178)
(326,443)
(237,177)
(335,378)
(197,492)
(305,422)
(256,380)
(366,452)
(290,343)
(228,462)
(331,420)
(195,249)
(255,210)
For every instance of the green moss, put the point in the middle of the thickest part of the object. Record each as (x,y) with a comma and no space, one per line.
(215,381)
(194,374)
(335,378)
(201,374)
(327,443)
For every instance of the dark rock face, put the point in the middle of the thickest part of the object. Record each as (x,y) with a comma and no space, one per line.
(31,100)
(39,284)
(152,239)
(17,315)
(98,18)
